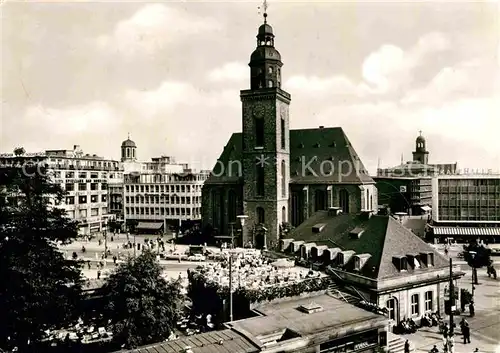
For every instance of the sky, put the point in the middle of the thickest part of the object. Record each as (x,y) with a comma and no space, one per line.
(169,73)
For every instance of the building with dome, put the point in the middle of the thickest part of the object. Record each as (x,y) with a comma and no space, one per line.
(155,195)
(407,188)
(274,175)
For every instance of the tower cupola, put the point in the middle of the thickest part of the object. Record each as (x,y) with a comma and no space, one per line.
(265,62)
(421,154)
(128,150)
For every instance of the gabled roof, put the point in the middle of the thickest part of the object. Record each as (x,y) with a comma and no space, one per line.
(383,238)
(310,151)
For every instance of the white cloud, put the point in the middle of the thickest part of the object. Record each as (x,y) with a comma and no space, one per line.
(171,94)
(334,85)
(152,27)
(95,116)
(232,71)
(380,65)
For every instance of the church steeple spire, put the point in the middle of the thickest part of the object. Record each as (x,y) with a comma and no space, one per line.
(265,62)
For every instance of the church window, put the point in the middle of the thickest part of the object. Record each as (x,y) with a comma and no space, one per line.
(259,132)
(283,133)
(128,152)
(231,211)
(270,83)
(270,70)
(260,180)
(283,214)
(283,179)
(133,153)
(260,215)
(320,200)
(123,153)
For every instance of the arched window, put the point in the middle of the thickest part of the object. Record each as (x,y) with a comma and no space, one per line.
(367,198)
(133,153)
(391,308)
(215,208)
(128,152)
(344,200)
(283,179)
(283,215)
(259,176)
(123,152)
(259,132)
(371,202)
(270,83)
(260,215)
(270,70)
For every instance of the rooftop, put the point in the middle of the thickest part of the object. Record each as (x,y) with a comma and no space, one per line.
(225,341)
(288,315)
(383,238)
(313,152)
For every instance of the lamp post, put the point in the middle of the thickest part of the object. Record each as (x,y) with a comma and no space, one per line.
(105,239)
(242,219)
(452,297)
(231,254)
(474,273)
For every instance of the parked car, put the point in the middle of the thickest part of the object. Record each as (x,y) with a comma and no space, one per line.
(197,257)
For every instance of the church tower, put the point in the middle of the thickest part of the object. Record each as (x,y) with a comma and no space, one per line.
(266,143)
(420,155)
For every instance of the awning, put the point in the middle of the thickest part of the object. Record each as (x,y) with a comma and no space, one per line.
(467,231)
(149,225)
(426,208)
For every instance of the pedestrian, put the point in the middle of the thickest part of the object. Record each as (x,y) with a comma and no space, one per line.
(466,333)
(88,264)
(98,274)
(407,346)
(434,349)
(472,311)
(114,259)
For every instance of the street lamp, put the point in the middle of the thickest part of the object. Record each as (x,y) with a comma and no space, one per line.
(105,239)
(472,255)
(231,254)
(242,219)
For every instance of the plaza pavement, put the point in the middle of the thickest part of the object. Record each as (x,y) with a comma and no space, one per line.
(485,325)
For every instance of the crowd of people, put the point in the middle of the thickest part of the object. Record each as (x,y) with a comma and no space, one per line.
(251,270)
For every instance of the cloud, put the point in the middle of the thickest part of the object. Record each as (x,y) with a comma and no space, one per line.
(72,120)
(334,85)
(390,66)
(169,95)
(474,78)
(383,71)
(232,71)
(153,27)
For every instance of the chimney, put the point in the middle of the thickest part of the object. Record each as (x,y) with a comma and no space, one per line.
(76,147)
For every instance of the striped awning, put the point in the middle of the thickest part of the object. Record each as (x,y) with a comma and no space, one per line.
(149,225)
(467,231)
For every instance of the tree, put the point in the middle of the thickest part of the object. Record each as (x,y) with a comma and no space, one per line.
(19,151)
(40,289)
(477,256)
(142,306)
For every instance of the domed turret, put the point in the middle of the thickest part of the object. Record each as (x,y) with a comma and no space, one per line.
(265,62)
(128,149)
(420,155)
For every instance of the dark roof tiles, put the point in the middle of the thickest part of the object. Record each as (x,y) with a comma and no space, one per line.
(383,238)
(317,156)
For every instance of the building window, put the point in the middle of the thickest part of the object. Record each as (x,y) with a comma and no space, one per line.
(344,200)
(283,214)
(260,215)
(270,83)
(320,200)
(283,133)
(94,198)
(82,186)
(82,199)
(415,309)
(94,186)
(270,70)
(232,207)
(70,200)
(94,212)
(428,301)
(70,187)
(391,308)
(283,179)
(259,132)
(259,171)
(103,198)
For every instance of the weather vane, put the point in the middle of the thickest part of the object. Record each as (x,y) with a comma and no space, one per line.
(264,8)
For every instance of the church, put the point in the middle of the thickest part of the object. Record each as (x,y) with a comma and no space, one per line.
(268,176)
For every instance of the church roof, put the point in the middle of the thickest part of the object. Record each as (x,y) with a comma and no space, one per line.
(383,238)
(317,156)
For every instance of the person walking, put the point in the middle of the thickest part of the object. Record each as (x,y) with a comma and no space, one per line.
(407,346)
(466,333)
(472,311)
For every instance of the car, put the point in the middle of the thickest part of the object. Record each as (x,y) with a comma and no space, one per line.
(197,257)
